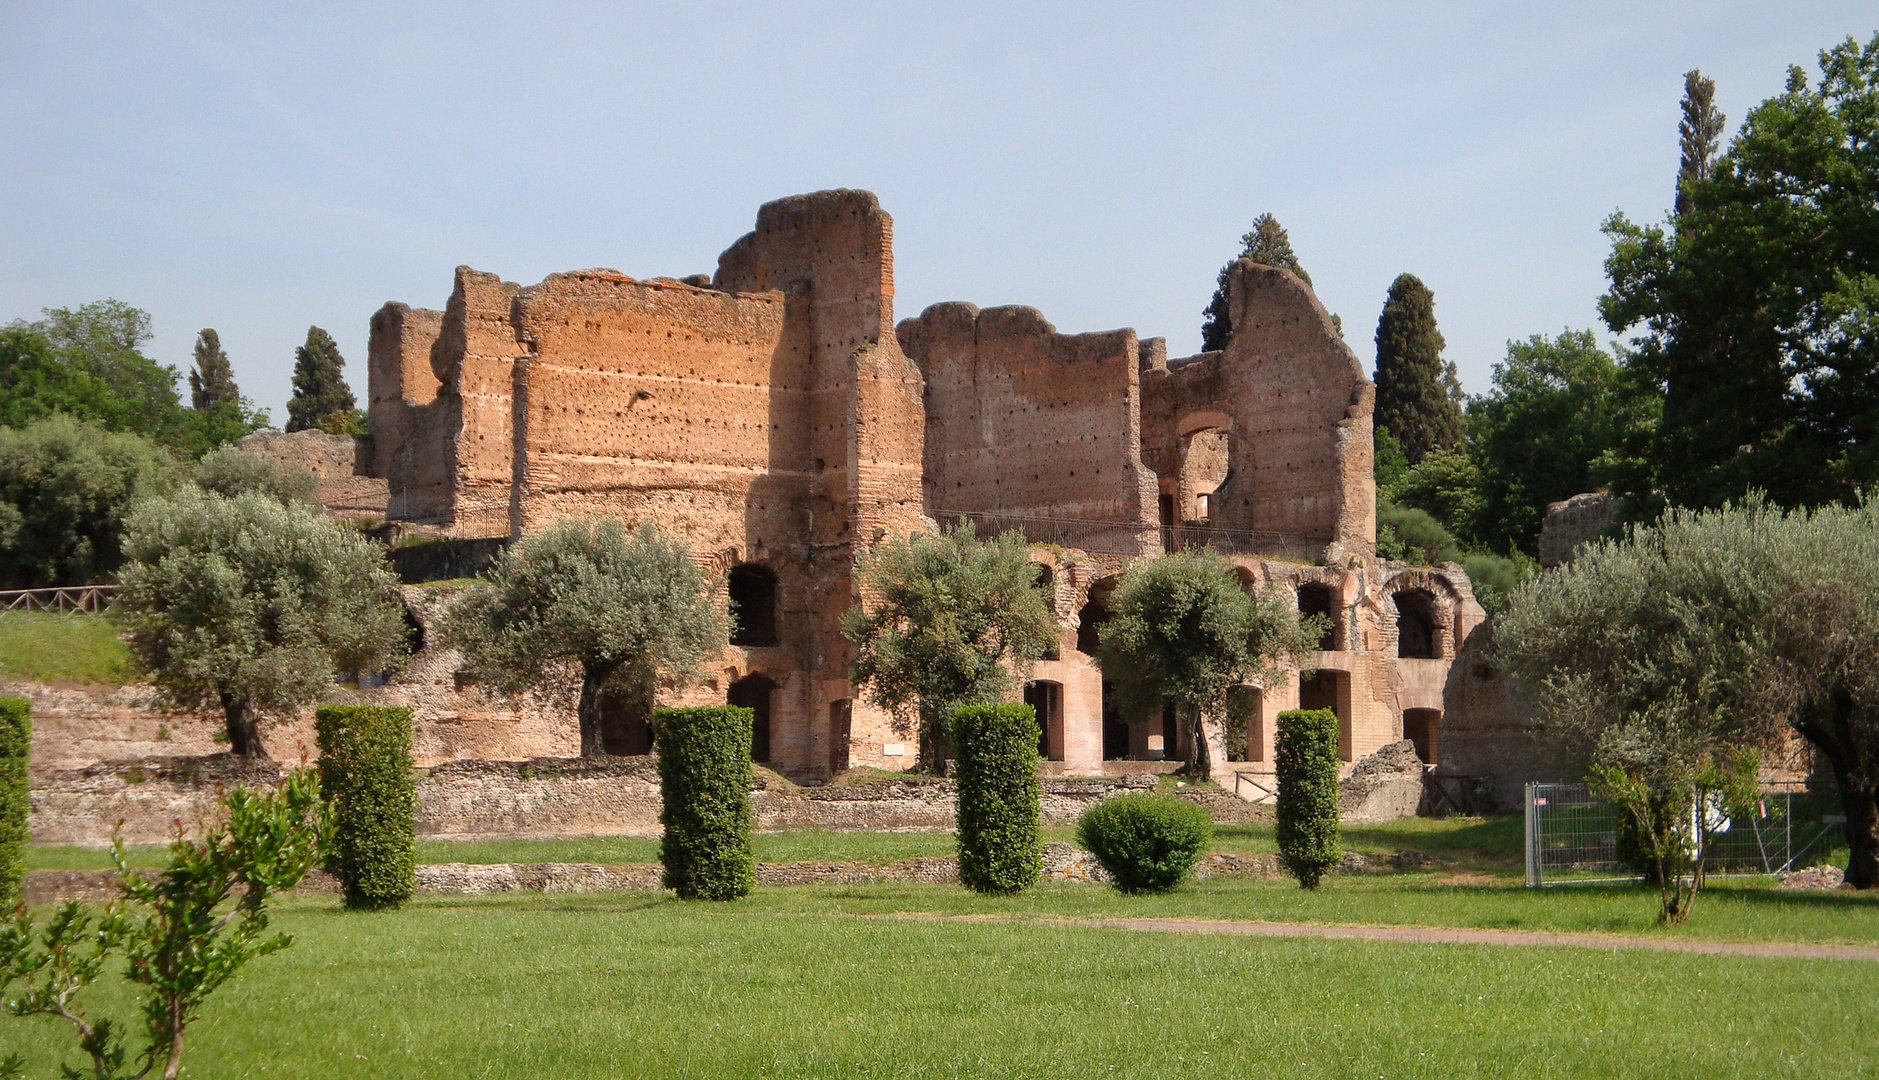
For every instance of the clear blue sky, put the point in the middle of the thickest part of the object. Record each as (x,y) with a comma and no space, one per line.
(259,168)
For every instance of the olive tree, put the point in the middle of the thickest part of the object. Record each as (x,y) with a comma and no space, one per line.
(1662,656)
(1181,630)
(948,620)
(634,610)
(250,604)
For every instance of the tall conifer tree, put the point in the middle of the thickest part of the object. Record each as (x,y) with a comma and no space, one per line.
(1268,245)
(212,382)
(319,382)
(1417,394)
(1699,135)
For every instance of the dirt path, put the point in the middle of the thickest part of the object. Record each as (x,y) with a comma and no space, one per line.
(1436,935)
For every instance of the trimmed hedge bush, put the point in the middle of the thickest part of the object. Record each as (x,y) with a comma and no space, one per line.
(995,768)
(1147,842)
(365,773)
(1305,758)
(16,743)
(704,782)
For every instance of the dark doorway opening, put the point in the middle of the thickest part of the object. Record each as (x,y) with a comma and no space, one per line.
(1115,732)
(753,692)
(841,723)
(1420,727)
(1046,700)
(624,727)
(753,606)
(1330,690)
(1415,626)
(1316,599)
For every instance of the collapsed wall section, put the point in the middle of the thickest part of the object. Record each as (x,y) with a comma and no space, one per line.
(1295,406)
(454,468)
(399,376)
(1026,422)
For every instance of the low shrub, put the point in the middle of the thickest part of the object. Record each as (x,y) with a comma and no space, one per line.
(16,742)
(365,774)
(1305,758)
(704,784)
(995,768)
(1147,842)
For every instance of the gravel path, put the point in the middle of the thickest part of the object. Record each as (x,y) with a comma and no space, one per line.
(1446,936)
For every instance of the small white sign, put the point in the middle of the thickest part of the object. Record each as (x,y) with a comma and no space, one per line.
(893,749)
(1154,743)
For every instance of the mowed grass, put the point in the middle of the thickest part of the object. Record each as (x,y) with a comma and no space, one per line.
(48,647)
(629,986)
(1492,844)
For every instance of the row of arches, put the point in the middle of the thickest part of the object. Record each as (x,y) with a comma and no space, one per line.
(1418,632)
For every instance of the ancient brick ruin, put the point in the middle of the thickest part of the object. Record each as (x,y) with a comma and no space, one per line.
(778,418)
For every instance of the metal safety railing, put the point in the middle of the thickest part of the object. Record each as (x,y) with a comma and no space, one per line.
(1572,836)
(71,600)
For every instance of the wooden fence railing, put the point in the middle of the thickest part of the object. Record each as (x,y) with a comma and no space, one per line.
(72,600)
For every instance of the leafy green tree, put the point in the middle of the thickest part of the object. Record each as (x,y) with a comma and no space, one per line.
(1390,465)
(320,388)
(1754,306)
(948,621)
(183,933)
(1663,654)
(1447,484)
(212,381)
(1418,395)
(66,491)
(1698,136)
(1267,245)
(633,610)
(16,799)
(1181,630)
(249,604)
(230,471)
(1560,415)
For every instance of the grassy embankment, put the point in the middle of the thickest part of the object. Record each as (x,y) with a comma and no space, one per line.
(644,986)
(63,649)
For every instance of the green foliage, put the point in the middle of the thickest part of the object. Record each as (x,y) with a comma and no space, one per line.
(1268,245)
(85,362)
(950,620)
(229,472)
(1304,753)
(1698,136)
(1447,485)
(320,388)
(1712,631)
(345,422)
(1662,791)
(634,610)
(1556,423)
(1418,396)
(45,646)
(16,746)
(182,934)
(704,786)
(1181,629)
(212,381)
(995,765)
(1756,305)
(365,774)
(250,604)
(66,490)
(1390,465)
(1148,842)
(1495,578)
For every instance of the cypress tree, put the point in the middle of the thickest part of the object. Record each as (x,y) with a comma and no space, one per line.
(1418,396)
(212,381)
(1699,135)
(1268,245)
(319,382)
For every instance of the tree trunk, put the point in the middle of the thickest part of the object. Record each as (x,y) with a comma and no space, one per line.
(935,740)
(1200,765)
(1862,836)
(244,731)
(589,713)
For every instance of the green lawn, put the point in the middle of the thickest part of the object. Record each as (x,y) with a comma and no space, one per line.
(1492,845)
(48,647)
(643,986)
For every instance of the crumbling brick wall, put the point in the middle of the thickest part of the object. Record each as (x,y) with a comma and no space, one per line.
(1024,421)
(399,376)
